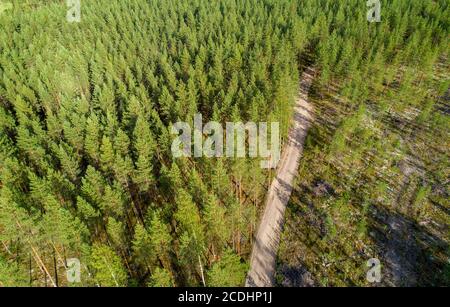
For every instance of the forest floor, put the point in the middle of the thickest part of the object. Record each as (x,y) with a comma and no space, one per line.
(265,247)
(380,193)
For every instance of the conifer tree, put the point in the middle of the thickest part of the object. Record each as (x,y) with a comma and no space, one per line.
(107,267)
(161,278)
(144,145)
(229,271)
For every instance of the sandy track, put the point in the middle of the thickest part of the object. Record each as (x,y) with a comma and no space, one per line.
(265,247)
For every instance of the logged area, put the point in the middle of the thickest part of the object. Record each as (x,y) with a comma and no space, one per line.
(94,191)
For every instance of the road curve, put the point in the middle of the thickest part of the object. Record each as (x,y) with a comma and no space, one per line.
(265,247)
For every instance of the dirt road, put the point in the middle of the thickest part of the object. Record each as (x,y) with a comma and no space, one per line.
(265,247)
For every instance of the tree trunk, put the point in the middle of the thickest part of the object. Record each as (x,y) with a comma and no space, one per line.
(55,267)
(38,259)
(201,271)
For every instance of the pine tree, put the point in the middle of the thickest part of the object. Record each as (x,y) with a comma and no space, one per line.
(229,271)
(160,238)
(93,185)
(115,232)
(69,162)
(107,154)
(142,246)
(60,226)
(217,230)
(12,275)
(161,278)
(191,235)
(107,267)
(144,145)
(167,105)
(92,140)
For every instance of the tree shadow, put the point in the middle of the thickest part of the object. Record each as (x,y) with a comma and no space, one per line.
(411,254)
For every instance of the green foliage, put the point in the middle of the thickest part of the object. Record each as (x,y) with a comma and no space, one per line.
(107,267)
(375,154)
(161,278)
(85,112)
(229,271)
(142,246)
(160,238)
(12,275)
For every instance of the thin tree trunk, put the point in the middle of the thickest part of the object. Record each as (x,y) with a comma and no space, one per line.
(6,248)
(58,255)
(112,273)
(31,272)
(55,267)
(126,261)
(38,259)
(201,271)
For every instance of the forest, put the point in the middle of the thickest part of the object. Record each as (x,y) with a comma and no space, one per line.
(87,172)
